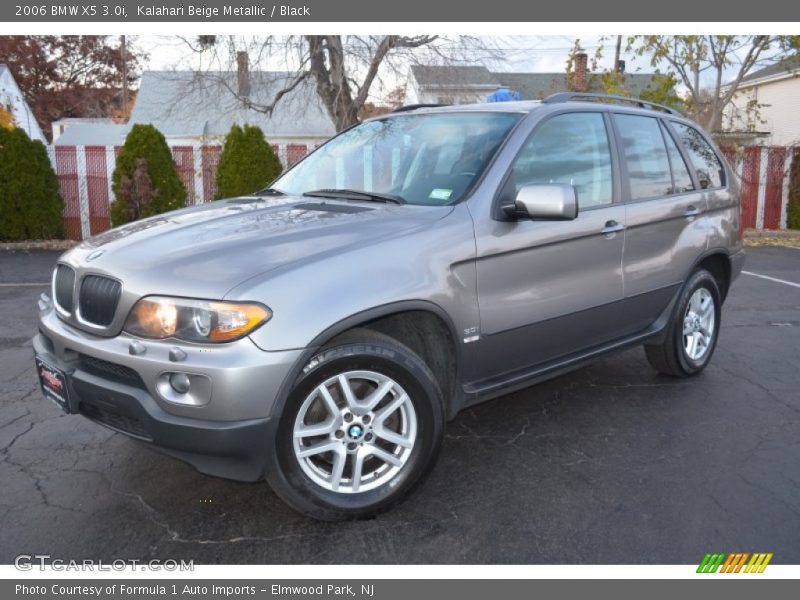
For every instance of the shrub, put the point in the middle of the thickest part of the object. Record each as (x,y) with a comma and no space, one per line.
(247,162)
(793,209)
(145,149)
(30,204)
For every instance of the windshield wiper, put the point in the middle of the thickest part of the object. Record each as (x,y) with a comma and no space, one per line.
(346,194)
(270,192)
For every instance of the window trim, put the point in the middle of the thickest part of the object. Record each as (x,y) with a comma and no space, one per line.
(612,151)
(677,139)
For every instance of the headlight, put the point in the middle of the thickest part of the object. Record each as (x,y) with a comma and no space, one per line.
(195,320)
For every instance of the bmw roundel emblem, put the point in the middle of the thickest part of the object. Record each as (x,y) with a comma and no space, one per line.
(95,254)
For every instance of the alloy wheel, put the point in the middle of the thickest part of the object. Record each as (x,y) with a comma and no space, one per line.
(355,431)
(698,324)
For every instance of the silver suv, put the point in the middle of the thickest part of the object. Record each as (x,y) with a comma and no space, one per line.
(320,332)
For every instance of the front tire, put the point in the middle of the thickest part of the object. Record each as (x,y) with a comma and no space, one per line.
(361,428)
(692,333)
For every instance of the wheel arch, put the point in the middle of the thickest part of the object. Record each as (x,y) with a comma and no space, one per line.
(716,261)
(390,319)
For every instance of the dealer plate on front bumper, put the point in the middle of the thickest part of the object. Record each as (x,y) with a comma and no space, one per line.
(54,384)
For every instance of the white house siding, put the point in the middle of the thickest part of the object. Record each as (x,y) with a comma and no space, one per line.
(11,95)
(778,115)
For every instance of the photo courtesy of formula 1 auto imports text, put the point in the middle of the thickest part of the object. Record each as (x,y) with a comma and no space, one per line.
(342,299)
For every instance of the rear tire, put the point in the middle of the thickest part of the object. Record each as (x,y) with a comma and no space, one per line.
(361,428)
(692,333)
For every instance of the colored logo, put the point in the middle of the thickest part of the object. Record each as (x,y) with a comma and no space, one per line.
(736,562)
(52,380)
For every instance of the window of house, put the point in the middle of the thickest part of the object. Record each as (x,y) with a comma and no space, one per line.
(570,149)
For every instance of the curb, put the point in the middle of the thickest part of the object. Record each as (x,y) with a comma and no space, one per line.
(779,234)
(38,245)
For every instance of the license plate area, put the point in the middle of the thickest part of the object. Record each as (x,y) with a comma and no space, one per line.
(54,384)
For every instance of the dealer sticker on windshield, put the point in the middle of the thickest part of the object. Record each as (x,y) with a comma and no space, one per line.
(440,194)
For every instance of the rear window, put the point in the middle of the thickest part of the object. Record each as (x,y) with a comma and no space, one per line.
(707,165)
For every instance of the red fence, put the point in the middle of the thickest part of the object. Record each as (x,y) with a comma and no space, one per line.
(84,174)
(763,173)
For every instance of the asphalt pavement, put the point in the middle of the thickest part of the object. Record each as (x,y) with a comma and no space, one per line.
(612,464)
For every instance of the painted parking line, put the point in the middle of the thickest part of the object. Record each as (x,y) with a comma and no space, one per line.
(775,279)
(15,285)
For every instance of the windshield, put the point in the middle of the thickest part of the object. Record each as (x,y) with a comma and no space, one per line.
(428,159)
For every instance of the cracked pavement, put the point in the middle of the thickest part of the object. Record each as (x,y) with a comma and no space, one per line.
(610,464)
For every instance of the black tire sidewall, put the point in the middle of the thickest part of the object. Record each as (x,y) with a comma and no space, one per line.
(413,376)
(700,279)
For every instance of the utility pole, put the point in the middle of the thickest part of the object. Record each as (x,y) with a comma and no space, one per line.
(616,54)
(124,56)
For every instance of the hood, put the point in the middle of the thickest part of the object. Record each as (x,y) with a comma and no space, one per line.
(206,250)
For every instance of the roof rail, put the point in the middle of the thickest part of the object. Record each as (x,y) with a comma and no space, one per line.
(571,96)
(416,106)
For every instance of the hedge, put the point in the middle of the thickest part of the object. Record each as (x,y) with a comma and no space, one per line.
(247,162)
(793,209)
(167,190)
(30,203)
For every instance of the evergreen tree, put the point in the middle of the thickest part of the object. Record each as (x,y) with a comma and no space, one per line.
(30,203)
(145,148)
(247,162)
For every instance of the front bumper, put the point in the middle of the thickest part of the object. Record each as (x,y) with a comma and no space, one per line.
(228,436)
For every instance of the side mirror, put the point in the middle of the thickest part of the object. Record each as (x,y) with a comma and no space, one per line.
(546,201)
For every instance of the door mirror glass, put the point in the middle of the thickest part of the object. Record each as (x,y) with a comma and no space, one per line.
(546,201)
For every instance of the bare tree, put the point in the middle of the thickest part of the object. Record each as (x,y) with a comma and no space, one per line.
(345,71)
(701,62)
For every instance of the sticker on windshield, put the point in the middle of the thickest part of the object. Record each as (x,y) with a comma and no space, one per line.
(440,194)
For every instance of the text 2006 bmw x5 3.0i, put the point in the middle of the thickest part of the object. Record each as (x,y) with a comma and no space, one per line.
(320,332)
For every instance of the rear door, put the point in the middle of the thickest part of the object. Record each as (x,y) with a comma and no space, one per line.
(551,288)
(665,216)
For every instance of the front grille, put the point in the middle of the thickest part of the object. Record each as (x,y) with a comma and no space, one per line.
(98,299)
(64,287)
(110,370)
(114,418)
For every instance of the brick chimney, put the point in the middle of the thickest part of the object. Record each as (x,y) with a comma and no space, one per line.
(243,73)
(580,79)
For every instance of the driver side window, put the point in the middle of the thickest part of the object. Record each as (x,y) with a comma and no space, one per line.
(570,149)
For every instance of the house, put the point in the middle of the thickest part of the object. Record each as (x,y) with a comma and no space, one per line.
(432,84)
(60,126)
(198,108)
(766,106)
(12,100)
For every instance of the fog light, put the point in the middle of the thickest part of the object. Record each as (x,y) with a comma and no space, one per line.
(179,382)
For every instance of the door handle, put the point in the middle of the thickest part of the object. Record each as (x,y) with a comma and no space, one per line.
(612,227)
(692,211)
